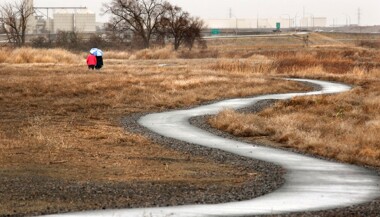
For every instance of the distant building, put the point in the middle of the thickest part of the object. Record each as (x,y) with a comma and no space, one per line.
(83,21)
(248,23)
(63,21)
(320,21)
(262,23)
(80,21)
(32,20)
(311,22)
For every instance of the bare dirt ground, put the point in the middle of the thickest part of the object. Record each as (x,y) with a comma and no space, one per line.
(63,143)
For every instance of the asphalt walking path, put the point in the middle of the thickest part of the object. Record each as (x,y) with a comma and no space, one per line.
(310,184)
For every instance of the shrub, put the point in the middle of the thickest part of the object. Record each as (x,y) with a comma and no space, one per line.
(4,54)
(40,42)
(369,44)
(96,40)
(162,53)
(69,40)
(235,65)
(32,55)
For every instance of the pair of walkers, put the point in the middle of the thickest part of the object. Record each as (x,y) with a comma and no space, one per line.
(95,59)
(94,62)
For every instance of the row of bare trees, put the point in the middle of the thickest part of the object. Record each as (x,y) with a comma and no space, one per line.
(144,21)
(150,20)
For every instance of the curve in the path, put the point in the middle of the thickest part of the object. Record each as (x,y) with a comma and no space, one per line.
(310,183)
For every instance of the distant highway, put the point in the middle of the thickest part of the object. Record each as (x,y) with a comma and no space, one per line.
(274,35)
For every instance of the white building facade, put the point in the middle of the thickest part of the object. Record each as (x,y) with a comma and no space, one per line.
(285,22)
(83,21)
(311,22)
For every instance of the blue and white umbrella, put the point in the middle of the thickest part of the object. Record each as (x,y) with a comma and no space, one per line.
(96,52)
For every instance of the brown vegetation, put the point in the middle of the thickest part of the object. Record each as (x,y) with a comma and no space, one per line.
(64,122)
(343,127)
(29,55)
(370,44)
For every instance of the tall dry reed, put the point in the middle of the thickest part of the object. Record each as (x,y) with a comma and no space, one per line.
(343,127)
(33,55)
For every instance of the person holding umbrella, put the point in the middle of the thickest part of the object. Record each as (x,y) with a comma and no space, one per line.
(99,57)
(91,61)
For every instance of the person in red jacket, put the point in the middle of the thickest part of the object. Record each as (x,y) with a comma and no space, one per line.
(91,61)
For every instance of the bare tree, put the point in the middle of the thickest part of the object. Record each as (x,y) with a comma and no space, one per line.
(69,40)
(140,17)
(181,27)
(175,24)
(14,20)
(194,33)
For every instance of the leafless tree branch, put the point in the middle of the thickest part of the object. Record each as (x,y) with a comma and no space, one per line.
(138,16)
(14,20)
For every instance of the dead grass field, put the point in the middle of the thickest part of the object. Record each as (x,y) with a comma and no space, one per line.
(59,120)
(343,127)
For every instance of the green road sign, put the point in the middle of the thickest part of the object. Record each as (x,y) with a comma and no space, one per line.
(215,31)
(278,26)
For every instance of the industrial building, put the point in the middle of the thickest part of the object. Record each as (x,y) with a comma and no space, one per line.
(78,20)
(247,23)
(311,22)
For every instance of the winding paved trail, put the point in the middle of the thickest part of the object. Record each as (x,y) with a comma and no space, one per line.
(311,184)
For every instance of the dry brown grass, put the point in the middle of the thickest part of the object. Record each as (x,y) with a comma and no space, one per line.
(32,55)
(118,55)
(160,53)
(146,54)
(251,65)
(236,124)
(65,122)
(343,127)
(336,61)
(369,44)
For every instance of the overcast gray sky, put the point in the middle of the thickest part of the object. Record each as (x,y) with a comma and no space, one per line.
(341,11)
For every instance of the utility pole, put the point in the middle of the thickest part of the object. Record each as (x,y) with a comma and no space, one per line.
(257,20)
(236,21)
(359,16)
(303,16)
(295,21)
(303,19)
